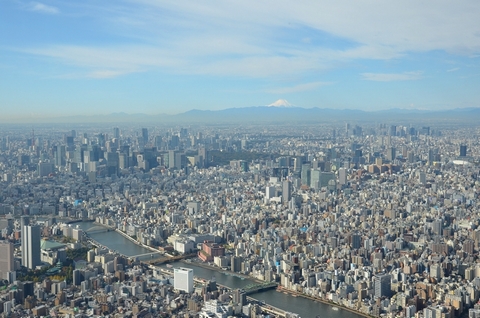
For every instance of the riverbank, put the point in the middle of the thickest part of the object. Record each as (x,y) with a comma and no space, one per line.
(303,306)
(266,308)
(125,235)
(281,289)
(225,272)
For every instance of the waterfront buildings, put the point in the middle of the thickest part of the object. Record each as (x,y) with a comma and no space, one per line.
(183,279)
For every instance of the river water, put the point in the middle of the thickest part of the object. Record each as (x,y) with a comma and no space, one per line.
(112,240)
(304,307)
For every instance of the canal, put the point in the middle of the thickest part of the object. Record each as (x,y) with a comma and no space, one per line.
(304,307)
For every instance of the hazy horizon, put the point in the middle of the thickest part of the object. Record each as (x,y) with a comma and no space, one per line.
(63,58)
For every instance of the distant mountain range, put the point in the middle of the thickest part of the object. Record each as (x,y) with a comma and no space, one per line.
(283,112)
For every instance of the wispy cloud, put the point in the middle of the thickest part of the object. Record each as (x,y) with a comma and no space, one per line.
(42,8)
(298,88)
(106,74)
(108,62)
(390,77)
(453,69)
(224,38)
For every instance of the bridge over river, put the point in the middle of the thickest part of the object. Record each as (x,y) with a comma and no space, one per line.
(98,229)
(158,258)
(255,288)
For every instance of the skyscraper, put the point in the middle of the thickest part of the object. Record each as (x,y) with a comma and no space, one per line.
(6,259)
(116,132)
(286,191)
(305,174)
(463,150)
(391,154)
(24,221)
(315,178)
(393,130)
(60,155)
(31,246)
(382,285)
(183,279)
(342,176)
(145,135)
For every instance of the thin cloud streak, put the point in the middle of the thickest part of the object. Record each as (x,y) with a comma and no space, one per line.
(229,38)
(183,58)
(385,77)
(447,26)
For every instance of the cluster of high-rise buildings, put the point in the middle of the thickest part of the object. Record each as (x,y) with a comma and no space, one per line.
(382,219)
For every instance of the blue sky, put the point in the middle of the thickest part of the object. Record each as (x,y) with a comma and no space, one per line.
(96,57)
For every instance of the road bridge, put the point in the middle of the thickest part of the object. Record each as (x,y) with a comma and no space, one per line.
(97,229)
(255,288)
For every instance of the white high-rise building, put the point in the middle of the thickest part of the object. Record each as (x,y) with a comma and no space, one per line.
(24,221)
(183,279)
(269,192)
(31,246)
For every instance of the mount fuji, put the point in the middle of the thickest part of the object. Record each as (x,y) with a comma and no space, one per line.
(281,103)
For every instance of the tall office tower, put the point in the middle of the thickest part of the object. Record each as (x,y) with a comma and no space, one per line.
(411,157)
(342,176)
(391,153)
(145,135)
(116,132)
(305,174)
(183,279)
(463,150)
(437,226)
(315,178)
(31,246)
(6,260)
(286,191)
(172,154)
(393,130)
(24,221)
(269,192)
(173,142)
(158,142)
(202,157)
(60,155)
(356,240)
(382,285)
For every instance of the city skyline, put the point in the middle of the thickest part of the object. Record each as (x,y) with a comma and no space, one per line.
(376,218)
(62,58)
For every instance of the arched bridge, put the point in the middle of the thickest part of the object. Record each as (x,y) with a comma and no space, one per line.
(97,229)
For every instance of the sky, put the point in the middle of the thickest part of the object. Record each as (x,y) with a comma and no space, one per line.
(90,57)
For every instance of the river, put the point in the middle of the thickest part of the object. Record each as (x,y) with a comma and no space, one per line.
(304,307)
(113,240)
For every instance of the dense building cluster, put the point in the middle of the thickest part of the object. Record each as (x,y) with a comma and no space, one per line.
(382,219)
